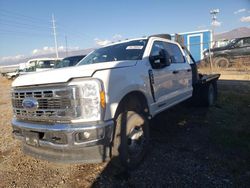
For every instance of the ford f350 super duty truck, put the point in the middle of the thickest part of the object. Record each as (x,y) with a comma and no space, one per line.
(100,109)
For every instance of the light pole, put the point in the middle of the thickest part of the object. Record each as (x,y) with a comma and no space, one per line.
(213,13)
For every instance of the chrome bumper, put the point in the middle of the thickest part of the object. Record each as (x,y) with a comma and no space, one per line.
(67,143)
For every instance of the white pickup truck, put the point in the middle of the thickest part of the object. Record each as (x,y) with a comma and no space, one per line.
(100,109)
(34,65)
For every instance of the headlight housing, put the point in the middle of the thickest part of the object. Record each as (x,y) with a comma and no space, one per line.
(206,53)
(88,99)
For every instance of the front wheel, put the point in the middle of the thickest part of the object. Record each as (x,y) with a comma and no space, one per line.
(131,139)
(221,62)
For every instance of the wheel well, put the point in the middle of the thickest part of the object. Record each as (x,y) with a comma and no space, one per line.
(135,101)
(222,55)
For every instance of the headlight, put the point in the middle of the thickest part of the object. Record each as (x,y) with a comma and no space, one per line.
(87,100)
(207,53)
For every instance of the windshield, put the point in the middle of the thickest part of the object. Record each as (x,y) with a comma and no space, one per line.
(131,50)
(45,64)
(232,41)
(69,61)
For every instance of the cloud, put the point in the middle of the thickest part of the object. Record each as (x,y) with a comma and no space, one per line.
(117,37)
(47,50)
(245,19)
(240,11)
(102,42)
(11,59)
(216,23)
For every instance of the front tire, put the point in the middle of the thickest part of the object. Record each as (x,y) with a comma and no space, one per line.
(131,139)
(221,62)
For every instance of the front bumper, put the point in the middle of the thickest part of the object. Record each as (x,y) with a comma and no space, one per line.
(67,143)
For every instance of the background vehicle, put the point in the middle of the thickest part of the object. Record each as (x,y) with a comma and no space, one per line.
(7,69)
(33,65)
(13,75)
(41,64)
(100,109)
(235,48)
(69,61)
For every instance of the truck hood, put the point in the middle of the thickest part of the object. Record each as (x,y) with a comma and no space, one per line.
(216,49)
(63,75)
(219,49)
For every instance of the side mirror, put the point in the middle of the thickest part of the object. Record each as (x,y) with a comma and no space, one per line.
(161,60)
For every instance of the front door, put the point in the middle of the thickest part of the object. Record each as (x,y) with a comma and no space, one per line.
(195,46)
(164,81)
(173,83)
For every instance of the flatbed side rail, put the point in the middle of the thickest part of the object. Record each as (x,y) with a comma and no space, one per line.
(205,78)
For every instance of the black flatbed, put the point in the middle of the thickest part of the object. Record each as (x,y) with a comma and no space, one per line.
(205,78)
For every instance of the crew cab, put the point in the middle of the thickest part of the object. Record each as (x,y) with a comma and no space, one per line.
(236,48)
(101,108)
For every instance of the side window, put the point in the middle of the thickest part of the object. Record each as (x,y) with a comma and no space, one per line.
(239,43)
(174,52)
(246,42)
(156,48)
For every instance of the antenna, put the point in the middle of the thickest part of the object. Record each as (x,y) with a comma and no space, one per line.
(66,43)
(54,33)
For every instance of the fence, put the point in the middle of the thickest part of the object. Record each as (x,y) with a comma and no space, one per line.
(234,59)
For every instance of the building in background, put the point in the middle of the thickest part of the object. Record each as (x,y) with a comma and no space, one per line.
(196,42)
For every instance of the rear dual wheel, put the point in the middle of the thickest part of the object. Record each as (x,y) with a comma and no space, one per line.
(210,94)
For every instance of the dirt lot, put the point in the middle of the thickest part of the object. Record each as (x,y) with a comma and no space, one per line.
(191,147)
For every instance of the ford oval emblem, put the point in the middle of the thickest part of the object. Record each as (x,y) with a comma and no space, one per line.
(30,104)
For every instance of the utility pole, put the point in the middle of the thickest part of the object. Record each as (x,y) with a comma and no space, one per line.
(54,33)
(66,43)
(213,13)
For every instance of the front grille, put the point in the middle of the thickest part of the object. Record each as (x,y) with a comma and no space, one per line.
(50,105)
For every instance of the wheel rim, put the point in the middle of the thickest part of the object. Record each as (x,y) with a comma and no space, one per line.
(136,140)
(222,63)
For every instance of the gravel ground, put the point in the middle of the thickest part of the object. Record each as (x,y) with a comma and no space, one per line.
(182,154)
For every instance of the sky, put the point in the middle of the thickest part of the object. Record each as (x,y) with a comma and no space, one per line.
(26,26)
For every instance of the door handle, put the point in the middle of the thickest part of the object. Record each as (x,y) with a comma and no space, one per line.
(189,70)
(175,71)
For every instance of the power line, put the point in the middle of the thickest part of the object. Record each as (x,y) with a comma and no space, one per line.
(23,22)
(22,34)
(17,26)
(15,14)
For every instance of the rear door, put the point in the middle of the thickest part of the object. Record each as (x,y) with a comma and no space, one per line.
(181,70)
